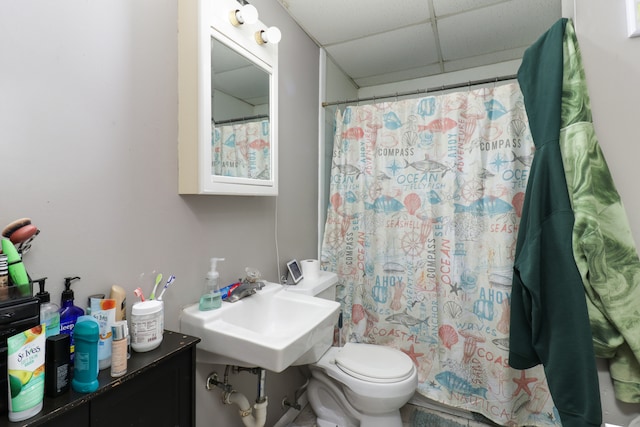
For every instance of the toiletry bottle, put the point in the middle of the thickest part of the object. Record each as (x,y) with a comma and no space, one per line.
(85,372)
(120,333)
(57,366)
(69,313)
(211,298)
(49,312)
(120,295)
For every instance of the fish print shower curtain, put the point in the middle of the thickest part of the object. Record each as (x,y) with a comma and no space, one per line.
(241,150)
(425,201)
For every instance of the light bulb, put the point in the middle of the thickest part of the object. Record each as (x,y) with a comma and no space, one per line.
(247,14)
(270,35)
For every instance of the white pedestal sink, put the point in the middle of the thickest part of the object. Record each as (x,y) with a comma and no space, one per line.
(272,329)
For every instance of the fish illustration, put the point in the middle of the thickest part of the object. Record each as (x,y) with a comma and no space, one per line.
(438,125)
(486,173)
(385,204)
(393,267)
(406,319)
(494,109)
(348,169)
(353,133)
(454,383)
(381,176)
(487,205)
(525,160)
(501,343)
(434,197)
(259,144)
(428,166)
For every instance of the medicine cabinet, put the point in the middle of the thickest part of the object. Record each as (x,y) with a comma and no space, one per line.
(228,97)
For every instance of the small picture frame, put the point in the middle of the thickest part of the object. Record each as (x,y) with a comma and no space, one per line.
(295,271)
(633,18)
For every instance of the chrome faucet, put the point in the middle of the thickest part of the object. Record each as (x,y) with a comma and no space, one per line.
(245,289)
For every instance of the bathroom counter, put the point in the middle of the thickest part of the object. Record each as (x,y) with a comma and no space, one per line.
(157,390)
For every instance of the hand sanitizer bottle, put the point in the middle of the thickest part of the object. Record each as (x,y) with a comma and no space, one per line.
(49,312)
(211,298)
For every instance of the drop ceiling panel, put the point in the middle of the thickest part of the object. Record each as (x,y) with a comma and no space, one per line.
(398,50)
(382,41)
(332,21)
(507,26)
(399,76)
(450,7)
(481,60)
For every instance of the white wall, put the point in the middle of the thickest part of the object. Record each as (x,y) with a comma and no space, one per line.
(88,149)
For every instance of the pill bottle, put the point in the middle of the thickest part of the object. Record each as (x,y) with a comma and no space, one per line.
(147,325)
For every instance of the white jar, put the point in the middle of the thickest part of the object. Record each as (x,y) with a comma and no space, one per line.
(147,325)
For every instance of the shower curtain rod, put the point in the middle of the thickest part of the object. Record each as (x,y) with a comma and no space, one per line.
(421,91)
(241,119)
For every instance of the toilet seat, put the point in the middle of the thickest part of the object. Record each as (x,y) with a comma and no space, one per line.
(374,363)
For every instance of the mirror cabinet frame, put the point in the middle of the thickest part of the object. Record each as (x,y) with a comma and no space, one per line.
(198,22)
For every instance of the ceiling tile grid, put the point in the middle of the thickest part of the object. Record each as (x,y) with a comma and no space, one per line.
(385,41)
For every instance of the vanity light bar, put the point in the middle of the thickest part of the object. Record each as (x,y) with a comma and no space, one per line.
(247,14)
(270,35)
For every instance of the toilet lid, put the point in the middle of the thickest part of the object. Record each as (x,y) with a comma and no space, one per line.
(376,363)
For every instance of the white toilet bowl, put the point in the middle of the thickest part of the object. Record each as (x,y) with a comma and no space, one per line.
(361,385)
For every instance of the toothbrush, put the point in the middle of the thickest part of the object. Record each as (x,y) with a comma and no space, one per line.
(139,294)
(158,280)
(172,278)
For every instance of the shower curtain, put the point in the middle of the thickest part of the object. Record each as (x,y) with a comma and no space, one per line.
(425,201)
(241,150)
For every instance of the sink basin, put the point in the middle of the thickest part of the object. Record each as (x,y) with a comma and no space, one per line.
(272,329)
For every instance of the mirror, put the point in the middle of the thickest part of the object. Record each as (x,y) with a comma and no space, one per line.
(227,103)
(240,144)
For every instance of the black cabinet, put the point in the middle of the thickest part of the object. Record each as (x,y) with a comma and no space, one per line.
(158,390)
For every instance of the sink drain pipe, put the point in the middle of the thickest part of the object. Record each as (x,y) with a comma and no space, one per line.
(230,396)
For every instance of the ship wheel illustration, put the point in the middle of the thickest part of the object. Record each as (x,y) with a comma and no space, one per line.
(472,190)
(411,243)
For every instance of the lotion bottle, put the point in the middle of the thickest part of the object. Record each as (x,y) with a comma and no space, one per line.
(211,298)
(49,312)
(69,313)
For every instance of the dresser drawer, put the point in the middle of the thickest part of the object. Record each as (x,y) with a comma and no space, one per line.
(22,310)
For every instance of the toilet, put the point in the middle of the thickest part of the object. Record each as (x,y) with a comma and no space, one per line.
(358,384)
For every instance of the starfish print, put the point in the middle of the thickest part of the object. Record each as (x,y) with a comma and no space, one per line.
(523,383)
(412,354)
(455,288)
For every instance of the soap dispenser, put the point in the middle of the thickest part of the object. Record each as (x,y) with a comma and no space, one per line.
(69,312)
(211,298)
(49,312)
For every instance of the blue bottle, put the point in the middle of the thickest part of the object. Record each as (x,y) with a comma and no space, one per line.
(69,313)
(85,371)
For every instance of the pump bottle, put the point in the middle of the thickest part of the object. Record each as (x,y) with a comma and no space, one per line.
(49,312)
(211,298)
(69,313)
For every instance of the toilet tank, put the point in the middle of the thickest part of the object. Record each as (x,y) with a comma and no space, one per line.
(324,286)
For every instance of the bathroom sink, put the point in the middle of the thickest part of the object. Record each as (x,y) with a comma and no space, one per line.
(272,329)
